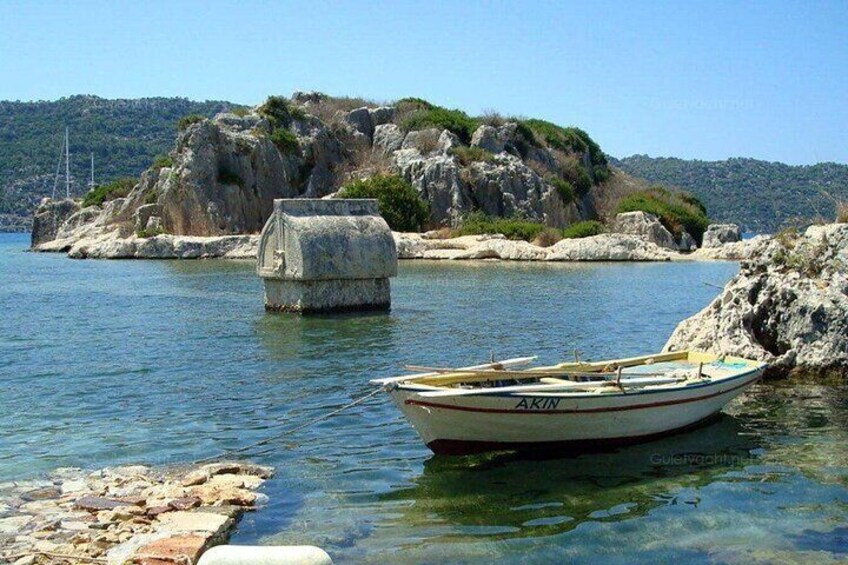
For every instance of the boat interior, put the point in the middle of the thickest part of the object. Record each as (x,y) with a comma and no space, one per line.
(661,370)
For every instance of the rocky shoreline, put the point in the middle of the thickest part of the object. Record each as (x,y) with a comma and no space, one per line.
(130,514)
(603,247)
(788,306)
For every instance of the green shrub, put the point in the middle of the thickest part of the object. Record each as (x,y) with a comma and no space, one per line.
(558,137)
(186,121)
(280,112)
(524,131)
(151,197)
(602,174)
(455,121)
(162,161)
(677,212)
(583,229)
(690,198)
(468,155)
(576,174)
(572,140)
(285,141)
(564,188)
(400,205)
(240,111)
(513,228)
(105,192)
(596,155)
(411,104)
(149,232)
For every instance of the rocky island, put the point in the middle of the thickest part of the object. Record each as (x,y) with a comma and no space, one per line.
(213,192)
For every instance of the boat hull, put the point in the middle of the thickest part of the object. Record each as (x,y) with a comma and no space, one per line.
(537,421)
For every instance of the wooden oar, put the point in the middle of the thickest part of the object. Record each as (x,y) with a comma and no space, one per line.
(461,376)
(516,362)
(529,373)
(546,388)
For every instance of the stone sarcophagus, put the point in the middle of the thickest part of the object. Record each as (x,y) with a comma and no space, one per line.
(326,256)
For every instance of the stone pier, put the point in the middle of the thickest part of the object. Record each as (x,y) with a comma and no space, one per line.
(126,515)
(326,256)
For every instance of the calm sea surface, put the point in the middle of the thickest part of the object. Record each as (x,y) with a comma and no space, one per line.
(109,362)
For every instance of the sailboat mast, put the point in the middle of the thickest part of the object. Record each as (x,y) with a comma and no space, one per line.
(67,167)
(58,169)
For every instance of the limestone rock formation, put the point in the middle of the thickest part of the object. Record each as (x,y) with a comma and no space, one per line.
(487,137)
(607,247)
(49,216)
(788,305)
(388,138)
(719,234)
(733,251)
(646,226)
(224,173)
(604,247)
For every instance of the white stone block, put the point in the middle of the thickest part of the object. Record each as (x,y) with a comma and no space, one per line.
(265,555)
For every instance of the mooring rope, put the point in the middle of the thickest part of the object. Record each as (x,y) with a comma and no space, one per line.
(267,440)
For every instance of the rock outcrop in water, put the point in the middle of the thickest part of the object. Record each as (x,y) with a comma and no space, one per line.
(224,173)
(51,214)
(604,247)
(788,305)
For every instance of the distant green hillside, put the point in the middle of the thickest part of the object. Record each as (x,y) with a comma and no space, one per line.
(124,135)
(759,195)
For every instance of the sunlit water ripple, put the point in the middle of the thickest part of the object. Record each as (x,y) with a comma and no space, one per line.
(109,362)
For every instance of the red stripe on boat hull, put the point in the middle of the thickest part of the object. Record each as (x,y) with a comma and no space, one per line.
(470,447)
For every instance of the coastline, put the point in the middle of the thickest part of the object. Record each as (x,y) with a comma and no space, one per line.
(410,246)
(127,514)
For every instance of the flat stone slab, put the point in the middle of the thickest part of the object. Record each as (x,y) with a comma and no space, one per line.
(98,503)
(170,550)
(14,524)
(181,522)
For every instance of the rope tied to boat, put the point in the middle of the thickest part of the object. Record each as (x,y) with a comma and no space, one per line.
(266,441)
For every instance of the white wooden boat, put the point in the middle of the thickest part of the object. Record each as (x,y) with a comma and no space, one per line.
(498,406)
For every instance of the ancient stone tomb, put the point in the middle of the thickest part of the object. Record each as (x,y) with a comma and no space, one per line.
(326,256)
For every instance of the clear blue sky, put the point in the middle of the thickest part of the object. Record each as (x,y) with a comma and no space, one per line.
(706,80)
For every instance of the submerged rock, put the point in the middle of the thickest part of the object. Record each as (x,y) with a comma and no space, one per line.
(787,306)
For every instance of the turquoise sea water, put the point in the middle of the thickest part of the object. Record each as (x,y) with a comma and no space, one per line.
(108,362)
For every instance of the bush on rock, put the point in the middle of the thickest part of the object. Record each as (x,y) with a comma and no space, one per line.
(400,205)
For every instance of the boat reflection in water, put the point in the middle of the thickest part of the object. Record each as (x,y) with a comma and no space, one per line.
(511,495)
